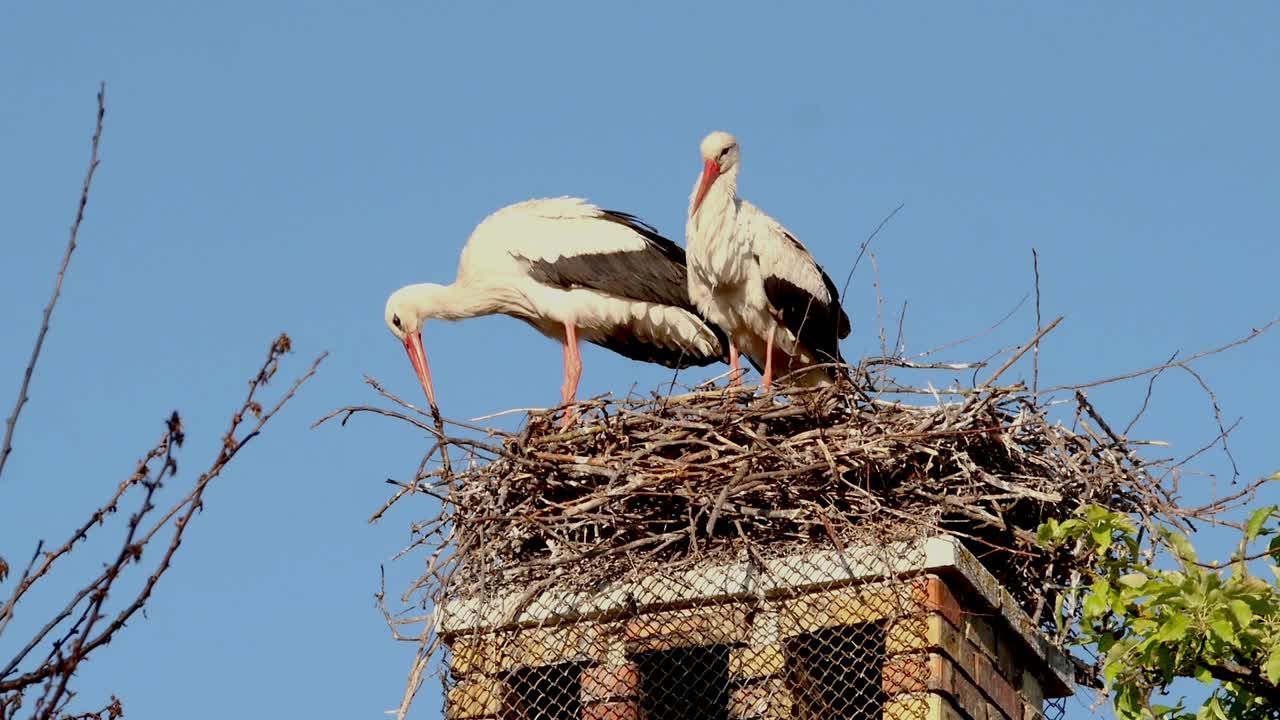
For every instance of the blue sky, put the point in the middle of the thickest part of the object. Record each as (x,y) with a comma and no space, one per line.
(284,166)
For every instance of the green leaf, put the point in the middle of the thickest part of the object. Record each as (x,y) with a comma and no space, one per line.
(1181,546)
(1133,580)
(1174,628)
(1102,538)
(1111,671)
(1273,476)
(1128,703)
(1256,521)
(1223,630)
(1095,605)
(1069,527)
(1097,513)
(1273,666)
(1047,533)
(1242,613)
(1203,675)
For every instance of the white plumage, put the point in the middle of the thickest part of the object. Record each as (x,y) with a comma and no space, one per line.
(573,271)
(753,279)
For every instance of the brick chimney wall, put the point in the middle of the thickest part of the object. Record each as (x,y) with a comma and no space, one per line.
(935,645)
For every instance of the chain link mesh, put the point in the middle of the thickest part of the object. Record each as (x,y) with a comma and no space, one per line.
(826,633)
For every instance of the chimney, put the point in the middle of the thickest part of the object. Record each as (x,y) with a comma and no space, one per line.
(893,630)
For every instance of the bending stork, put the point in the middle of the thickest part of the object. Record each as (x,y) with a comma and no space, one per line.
(574,272)
(753,279)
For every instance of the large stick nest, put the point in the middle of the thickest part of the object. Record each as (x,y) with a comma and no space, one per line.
(641,485)
(652,486)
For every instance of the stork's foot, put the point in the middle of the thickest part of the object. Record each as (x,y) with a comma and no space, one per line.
(569,418)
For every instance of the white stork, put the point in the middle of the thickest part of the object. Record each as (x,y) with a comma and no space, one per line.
(572,271)
(753,279)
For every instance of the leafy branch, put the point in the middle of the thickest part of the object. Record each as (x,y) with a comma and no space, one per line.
(1217,624)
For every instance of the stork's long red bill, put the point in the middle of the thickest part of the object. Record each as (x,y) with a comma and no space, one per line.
(418,356)
(710,172)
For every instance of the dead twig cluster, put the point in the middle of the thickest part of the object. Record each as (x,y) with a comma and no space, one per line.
(36,669)
(642,483)
(44,664)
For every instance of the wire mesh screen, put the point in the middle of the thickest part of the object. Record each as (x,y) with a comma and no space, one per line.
(837,672)
(834,633)
(684,683)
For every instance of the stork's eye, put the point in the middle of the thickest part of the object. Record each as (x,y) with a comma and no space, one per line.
(395,320)
(725,152)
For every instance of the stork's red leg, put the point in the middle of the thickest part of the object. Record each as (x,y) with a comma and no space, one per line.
(572,370)
(736,366)
(767,381)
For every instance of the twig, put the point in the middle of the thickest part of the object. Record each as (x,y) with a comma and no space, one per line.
(12,421)
(1035,357)
(1157,368)
(1035,342)
(81,638)
(975,336)
(862,250)
(884,350)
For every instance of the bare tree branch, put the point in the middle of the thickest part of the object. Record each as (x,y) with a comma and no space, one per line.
(12,420)
(76,626)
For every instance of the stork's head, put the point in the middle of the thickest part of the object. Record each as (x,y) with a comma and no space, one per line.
(406,309)
(719,156)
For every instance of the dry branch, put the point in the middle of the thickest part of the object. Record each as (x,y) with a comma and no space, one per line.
(83,624)
(12,421)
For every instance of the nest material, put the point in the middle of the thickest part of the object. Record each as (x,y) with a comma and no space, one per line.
(642,485)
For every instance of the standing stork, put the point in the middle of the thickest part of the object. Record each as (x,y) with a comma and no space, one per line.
(753,279)
(573,271)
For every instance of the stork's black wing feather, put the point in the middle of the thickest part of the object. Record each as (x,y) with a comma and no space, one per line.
(819,323)
(653,274)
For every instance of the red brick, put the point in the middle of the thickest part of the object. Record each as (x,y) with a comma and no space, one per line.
(997,687)
(968,697)
(942,600)
(611,711)
(604,682)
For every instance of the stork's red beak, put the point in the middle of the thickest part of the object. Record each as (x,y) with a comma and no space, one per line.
(710,172)
(417,356)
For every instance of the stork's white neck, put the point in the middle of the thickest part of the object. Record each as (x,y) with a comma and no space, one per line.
(461,300)
(719,207)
